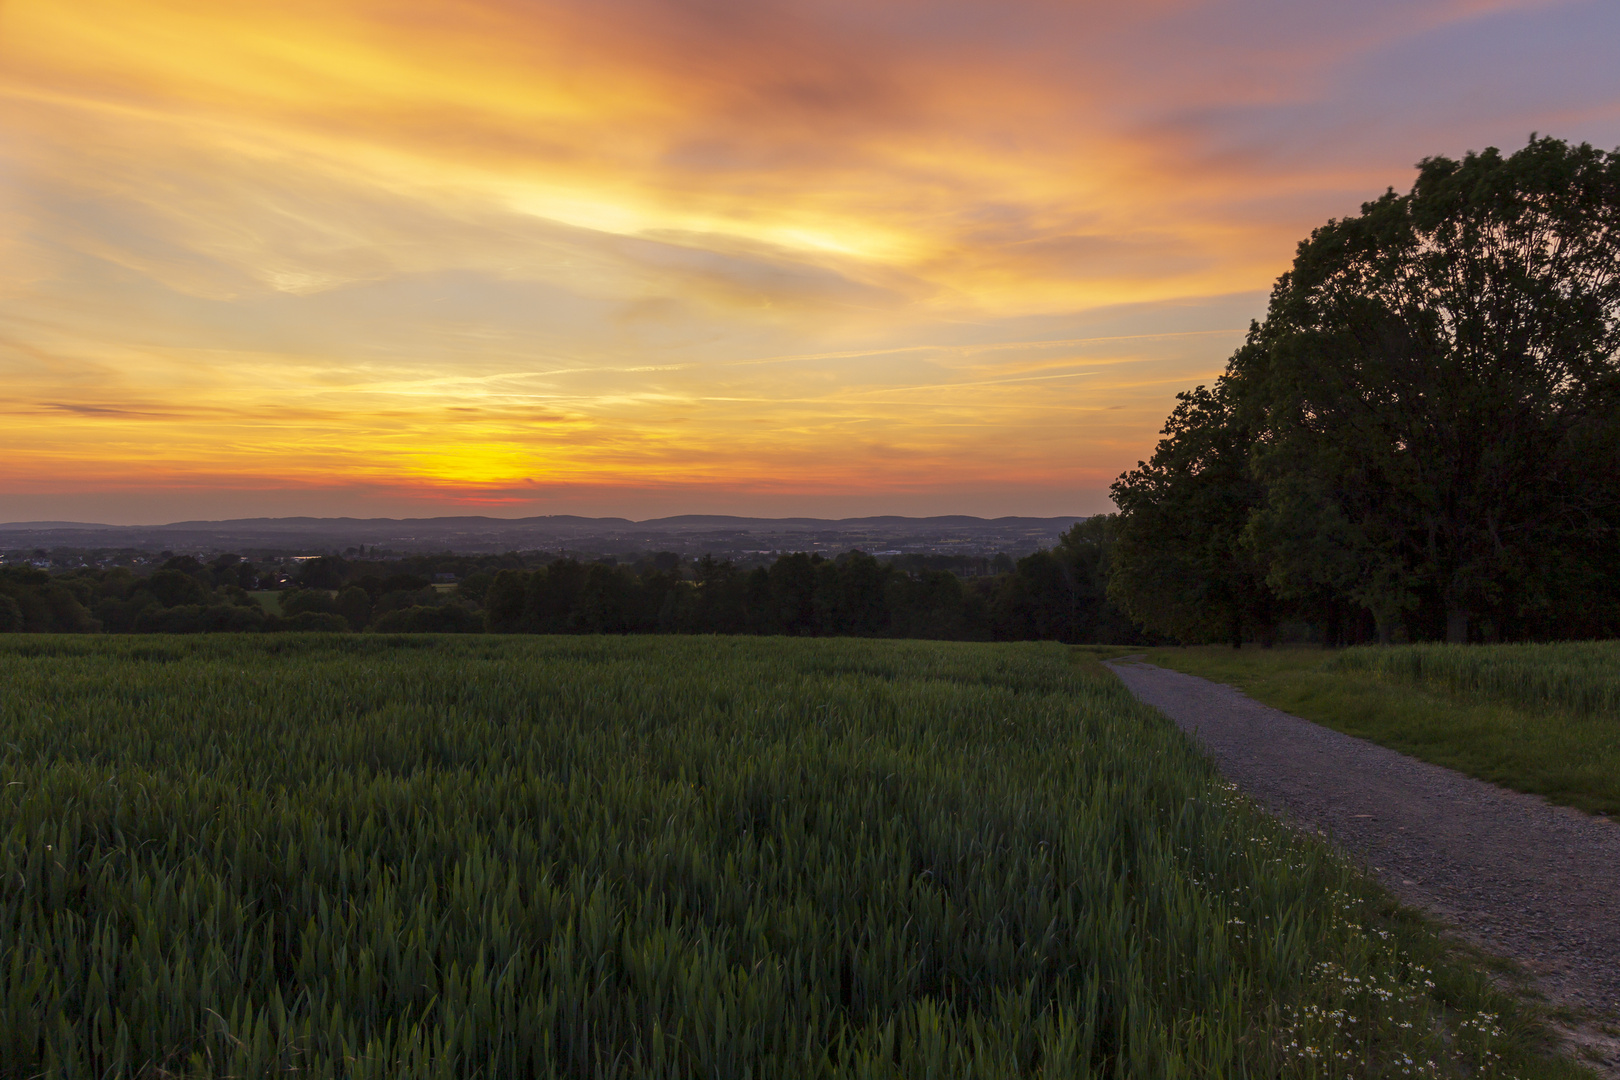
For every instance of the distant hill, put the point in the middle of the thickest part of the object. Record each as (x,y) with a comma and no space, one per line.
(689,533)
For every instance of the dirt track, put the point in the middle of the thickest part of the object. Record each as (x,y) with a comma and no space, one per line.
(1511,872)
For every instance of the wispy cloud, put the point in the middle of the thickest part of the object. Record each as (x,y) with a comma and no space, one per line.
(507,250)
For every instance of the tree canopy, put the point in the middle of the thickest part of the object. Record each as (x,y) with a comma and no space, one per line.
(1424,433)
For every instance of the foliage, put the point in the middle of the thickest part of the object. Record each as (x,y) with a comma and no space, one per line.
(354,604)
(412,856)
(199,618)
(326,572)
(35,602)
(328,621)
(1180,566)
(298,601)
(1051,595)
(12,619)
(446,619)
(1426,429)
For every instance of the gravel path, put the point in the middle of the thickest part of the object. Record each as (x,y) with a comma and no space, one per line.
(1511,872)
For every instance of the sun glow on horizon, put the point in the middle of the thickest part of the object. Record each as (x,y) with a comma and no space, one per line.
(549,255)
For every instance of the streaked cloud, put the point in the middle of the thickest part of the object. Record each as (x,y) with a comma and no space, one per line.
(638,257)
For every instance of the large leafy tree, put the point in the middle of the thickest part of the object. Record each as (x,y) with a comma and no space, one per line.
(1439,378)
(1425,429)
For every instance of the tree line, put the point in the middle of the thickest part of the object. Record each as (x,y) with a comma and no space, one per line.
(1058,594)
(1422,438)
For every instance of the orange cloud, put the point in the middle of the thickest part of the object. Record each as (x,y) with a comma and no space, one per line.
(480,249)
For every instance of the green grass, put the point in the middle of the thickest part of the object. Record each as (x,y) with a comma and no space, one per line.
(269,599)
(1538,718)
(372,856)
(1577,678)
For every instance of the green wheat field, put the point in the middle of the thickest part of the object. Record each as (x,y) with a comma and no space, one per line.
(337,856)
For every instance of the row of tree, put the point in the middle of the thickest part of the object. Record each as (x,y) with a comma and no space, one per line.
(184,595)
(1059,594)
(1421,440)
(1050,595)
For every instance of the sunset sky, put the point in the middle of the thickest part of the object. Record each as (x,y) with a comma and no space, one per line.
(834,258)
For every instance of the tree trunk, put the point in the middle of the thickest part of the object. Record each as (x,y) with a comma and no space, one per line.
(1237,632)
(1456,625)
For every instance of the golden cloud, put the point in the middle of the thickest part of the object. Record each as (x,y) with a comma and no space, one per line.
(502,247)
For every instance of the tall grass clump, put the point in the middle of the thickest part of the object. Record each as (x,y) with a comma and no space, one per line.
(432,857)
(1582,678)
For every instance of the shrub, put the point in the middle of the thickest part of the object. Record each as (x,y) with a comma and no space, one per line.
(329,621)
(448,619)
